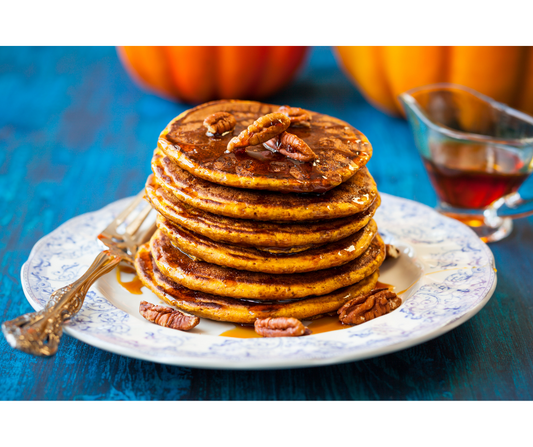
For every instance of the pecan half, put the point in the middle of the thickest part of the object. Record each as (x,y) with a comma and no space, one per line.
(261,130)
(299,117)
(391,251)
(219,123)
(291,146)
(280,327)
(167,317)
(367,307)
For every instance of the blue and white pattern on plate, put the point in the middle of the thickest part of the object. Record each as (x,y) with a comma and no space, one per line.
(454,278)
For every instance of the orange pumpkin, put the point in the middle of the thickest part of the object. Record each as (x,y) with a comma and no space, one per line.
(200,74)
(382,73)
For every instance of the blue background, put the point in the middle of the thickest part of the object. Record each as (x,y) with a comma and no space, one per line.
(77,134)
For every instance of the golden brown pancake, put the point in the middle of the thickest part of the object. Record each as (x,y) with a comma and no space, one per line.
(259,234)
(215,279)
(341,150)
(241,311)
(351,197)
(286,251)
(250,259)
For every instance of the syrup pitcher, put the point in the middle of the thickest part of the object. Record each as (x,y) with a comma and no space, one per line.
(477,153)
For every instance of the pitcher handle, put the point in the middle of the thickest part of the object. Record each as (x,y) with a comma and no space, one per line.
(513,206)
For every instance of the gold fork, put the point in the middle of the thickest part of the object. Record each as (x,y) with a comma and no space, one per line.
(39,332)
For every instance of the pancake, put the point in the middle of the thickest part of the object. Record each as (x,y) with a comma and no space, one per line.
(250,259)
(259,234)
(341,150)
(286,251)
(241,311)
(351,197)
(211,278)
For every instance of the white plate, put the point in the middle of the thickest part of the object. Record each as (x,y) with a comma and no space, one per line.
(448,271)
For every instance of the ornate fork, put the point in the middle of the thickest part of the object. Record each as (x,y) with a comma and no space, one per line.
(39,333)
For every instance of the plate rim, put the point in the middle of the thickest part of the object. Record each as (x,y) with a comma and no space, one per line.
(258,364)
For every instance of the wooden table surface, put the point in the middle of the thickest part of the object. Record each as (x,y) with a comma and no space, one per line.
(77,134)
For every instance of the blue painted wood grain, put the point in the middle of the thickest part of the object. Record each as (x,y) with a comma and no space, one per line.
(76,134)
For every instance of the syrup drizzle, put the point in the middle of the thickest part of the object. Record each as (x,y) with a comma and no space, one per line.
(320,326)
(327,324)
(384,285)
(241,332)
(134,286)
(347,148)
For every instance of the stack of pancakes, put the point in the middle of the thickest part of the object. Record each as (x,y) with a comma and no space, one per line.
(255,234)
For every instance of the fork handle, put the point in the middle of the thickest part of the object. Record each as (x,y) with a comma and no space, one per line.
(39,333)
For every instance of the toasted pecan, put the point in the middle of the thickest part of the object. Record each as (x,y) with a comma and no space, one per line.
(291,146)
(391,251)
(366,307)
(299,117)
(280,327)
(261,130)
(219,123)
(167,316)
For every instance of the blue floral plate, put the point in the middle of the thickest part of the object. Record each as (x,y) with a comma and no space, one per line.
(445,275)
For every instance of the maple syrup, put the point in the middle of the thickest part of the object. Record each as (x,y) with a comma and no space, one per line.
(186,139)
(383,285)
(327,324)
(320,326)
(134,286)
(470,176)
(241,332)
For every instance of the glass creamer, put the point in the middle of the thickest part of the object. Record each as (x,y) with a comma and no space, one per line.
(477,153)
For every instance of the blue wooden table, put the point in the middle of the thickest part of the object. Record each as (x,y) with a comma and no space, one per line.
(76,134)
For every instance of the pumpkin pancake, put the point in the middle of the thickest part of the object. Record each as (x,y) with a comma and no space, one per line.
(341,150)
(258,234)
(250,259)
(351,197)
(211,278)
(241,311)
